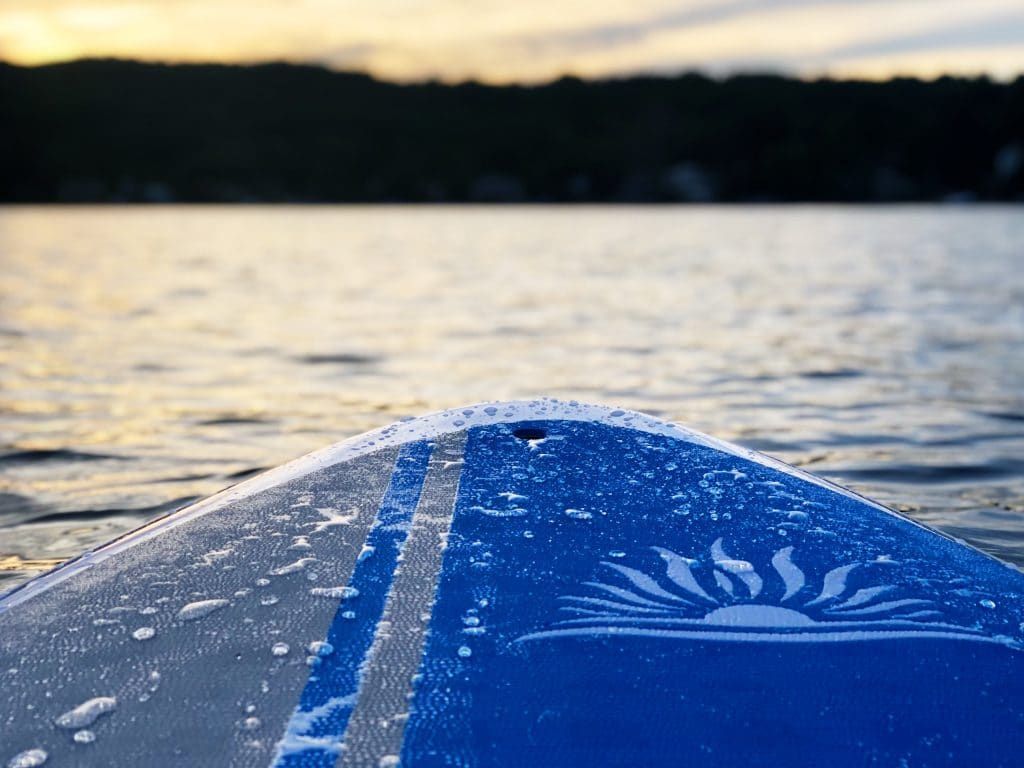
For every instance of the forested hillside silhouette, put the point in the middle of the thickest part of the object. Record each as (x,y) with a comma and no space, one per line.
(108,130)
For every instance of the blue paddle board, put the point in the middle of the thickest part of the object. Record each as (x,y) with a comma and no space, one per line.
(520,584)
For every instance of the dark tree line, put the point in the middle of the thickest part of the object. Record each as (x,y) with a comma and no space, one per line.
(99,130)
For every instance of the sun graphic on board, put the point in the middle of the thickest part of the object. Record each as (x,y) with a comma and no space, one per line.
(724,598)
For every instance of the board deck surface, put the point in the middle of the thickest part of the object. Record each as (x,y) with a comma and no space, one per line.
(520,584)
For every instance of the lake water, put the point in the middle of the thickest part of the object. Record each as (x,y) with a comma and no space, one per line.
(150,356)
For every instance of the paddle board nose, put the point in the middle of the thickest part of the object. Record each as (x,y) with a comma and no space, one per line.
(529,583)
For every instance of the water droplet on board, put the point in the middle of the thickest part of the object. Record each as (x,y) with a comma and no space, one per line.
(280,649)
(578,514)
(262,582)
(343,593)
(465,652)
(30,758)
(986,603)
(200,608)
(471,621)
(144,633)
(321,648)
(149,610)
(86,713)
(251,723)
(616,553)
(269,600)
(295,567)
(84,737)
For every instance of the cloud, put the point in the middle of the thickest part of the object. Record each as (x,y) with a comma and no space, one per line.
(998,31)
(636,31)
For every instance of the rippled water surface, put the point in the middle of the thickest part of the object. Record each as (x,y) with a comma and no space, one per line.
(153,356)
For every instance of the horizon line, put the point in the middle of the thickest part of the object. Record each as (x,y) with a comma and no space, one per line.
(627,75)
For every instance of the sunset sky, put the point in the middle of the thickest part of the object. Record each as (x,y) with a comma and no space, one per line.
(534,40)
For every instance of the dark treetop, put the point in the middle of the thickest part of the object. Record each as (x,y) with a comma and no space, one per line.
(103,130)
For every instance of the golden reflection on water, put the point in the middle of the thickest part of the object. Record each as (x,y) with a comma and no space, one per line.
(165,352)
(15,563)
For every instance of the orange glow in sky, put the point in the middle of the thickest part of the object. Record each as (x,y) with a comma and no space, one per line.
(534,40)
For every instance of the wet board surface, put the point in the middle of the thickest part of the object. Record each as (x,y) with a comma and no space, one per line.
(521,584)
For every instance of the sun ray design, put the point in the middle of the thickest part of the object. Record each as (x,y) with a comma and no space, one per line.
(722,597)
(834,583)
(681,575)
(741,569)
(791,576)
(862,596)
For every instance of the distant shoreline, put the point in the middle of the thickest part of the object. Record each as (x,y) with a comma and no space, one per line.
(979,205)
(116,131)
(511,84)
